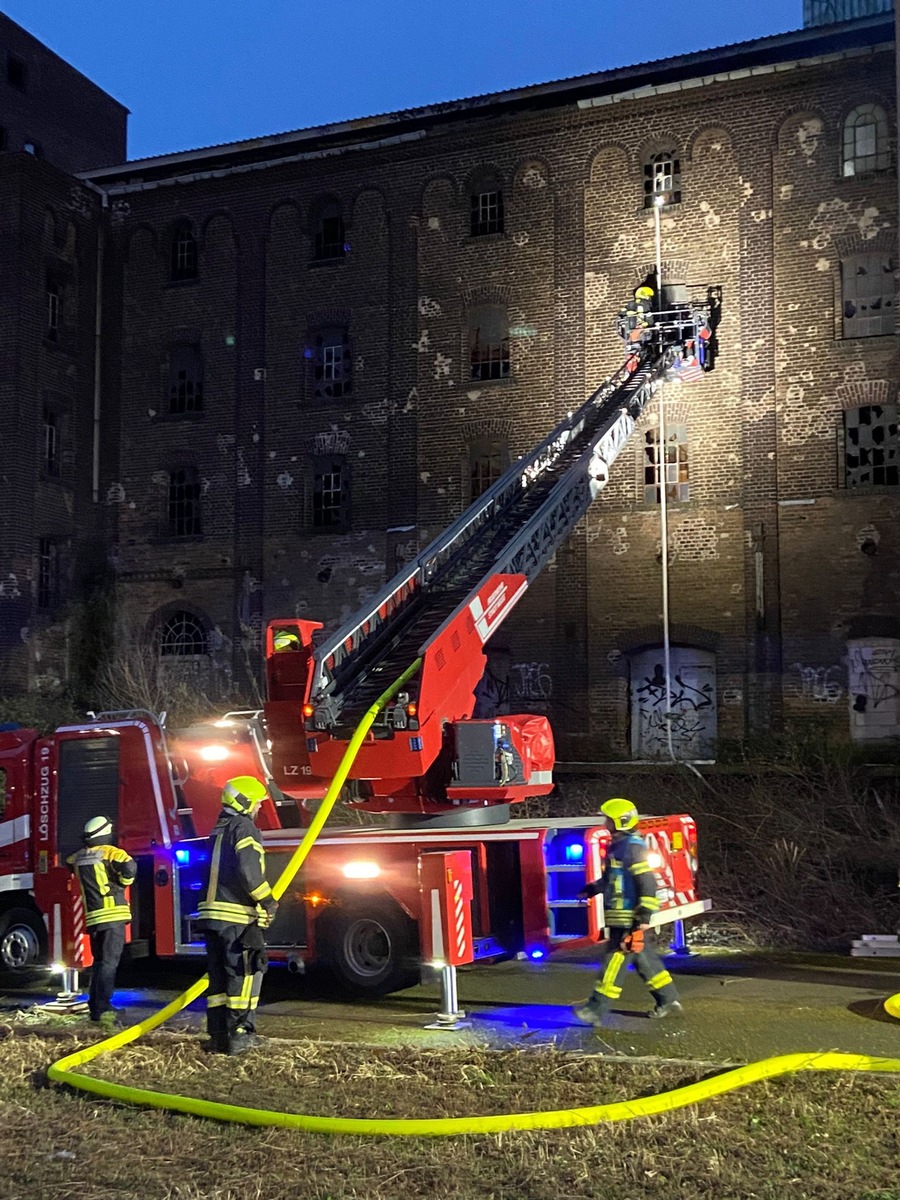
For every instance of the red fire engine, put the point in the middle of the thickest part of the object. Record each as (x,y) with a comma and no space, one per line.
(362,903)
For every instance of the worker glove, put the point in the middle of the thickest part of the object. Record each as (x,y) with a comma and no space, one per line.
(270,908)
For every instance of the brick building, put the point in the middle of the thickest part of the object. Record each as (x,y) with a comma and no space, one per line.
(321,346)
(53,121)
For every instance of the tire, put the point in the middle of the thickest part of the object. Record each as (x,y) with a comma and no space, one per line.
(22,939)
(370,947)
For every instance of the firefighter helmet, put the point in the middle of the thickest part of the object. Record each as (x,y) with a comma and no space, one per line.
(285,640)
(243,793)
(643,293)
(622,813)
(97,829)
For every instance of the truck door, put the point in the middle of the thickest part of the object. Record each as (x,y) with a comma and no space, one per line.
(88,786)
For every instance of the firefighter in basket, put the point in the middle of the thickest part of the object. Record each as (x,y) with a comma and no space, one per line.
(237,905)
(628,885)
(636,318)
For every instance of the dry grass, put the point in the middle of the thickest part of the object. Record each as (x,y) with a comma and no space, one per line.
(828,1137)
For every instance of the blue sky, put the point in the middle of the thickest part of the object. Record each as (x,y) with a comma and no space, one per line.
(198,72)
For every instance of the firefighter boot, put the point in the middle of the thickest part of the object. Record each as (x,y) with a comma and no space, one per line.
(592,1011)
(243,1040)
(671,1009)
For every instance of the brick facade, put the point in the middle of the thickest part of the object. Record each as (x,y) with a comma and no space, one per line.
(778,572)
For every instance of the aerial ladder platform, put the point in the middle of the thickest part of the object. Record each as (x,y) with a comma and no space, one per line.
(426,754)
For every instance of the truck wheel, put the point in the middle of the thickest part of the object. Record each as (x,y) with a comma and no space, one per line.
(21,939)
(370,947)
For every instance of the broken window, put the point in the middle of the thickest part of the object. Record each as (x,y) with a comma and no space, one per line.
(184,503)
(872,446)
(185,380)
(489,342)
(866,141)
(48,573)
(867,294)
(488,459)
(331,364)
(329,231)
(50,456)
(676,465)
(331,493)
(183,264)
(662,177)
(183,634)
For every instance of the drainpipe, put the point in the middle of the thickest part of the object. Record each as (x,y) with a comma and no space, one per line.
(98,324)
(662,473)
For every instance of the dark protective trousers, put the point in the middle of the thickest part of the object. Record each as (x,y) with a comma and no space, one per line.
(647,963)
(107,944)
(235,963)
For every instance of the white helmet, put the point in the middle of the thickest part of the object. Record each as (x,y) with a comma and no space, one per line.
(97,829)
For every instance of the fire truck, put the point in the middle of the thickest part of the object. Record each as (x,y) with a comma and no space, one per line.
(442,782)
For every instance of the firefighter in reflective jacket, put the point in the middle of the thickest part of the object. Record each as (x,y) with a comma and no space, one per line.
(237,905)
(628,885)
(103,872)
(636,318)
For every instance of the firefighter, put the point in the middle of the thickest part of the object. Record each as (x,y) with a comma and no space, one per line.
(238,904)
(636,317)
(628,885)
(103,872)
(285,640)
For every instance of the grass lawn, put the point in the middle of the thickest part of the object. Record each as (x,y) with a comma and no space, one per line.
(814,1135)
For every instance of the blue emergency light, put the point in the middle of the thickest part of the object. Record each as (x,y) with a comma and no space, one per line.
(574,852)
(536,953)
(182,857)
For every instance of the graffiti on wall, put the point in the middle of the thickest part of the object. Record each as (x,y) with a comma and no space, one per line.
(820,684)
(687,710)
(873,677)
(531,681)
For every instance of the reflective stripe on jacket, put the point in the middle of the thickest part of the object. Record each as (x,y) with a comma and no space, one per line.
(103,874)
(236,883)
(628,883)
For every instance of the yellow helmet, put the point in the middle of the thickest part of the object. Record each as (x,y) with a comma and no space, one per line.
(644,293)
(622,813)
(243,793)
(285,640)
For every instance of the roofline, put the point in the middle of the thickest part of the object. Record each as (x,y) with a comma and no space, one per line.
(801,45)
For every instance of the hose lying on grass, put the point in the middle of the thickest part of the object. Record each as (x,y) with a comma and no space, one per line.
(64,1070)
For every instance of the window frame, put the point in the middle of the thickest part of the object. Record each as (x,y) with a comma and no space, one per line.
(850,153)
(182,357)
(324,341)
(331,248)
(54,294)
(324,467)
(889,450)
(481,450)
(676,463)
(51,443)
(184,254)
(47,590)
(673,193)
(184,514)
(486,218)
(887,299)
(16,66)
(484,357)
(184,617)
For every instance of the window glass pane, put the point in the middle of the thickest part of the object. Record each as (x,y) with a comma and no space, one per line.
(182,634)
(872,446)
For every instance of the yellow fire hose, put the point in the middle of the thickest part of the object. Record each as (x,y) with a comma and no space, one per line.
(63,1070)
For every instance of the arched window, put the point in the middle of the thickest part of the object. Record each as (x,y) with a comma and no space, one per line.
(866,141)
(182,634)
(185,380)
(183,264)
(328,236)
(662,177)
